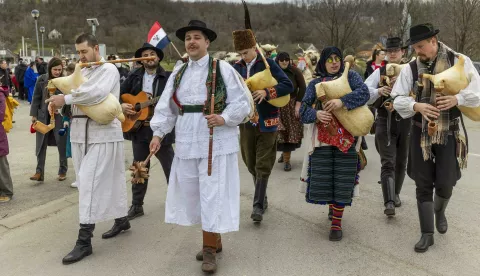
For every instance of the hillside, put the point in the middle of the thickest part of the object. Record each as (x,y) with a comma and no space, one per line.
(124,24)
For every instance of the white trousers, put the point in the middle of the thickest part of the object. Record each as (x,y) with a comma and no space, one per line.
(101,181)
(193,197)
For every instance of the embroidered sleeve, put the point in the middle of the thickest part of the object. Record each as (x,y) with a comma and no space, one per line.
(238,103)
(359,95)
(271,93)
(308,114)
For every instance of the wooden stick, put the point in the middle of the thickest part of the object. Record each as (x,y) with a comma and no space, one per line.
(88,64)
(263,57)
(180,55)
(212,111)
(148,158)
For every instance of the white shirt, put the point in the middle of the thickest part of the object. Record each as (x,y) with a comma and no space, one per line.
(191,130)
(372,83)
(469,97)
(249,66)
(148,82)
(101,81)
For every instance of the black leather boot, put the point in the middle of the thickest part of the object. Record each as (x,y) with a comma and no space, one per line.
(425,215)
(259,200)
(121,224)
(265,204)
(388,189)
(83,247)
(399,179)
(135,211)
(440,204)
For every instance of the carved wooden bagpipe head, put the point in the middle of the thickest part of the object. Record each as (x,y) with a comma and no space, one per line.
(392,70)
(104,112)
(69,83)
(357,121)
(41,127)
(450,82)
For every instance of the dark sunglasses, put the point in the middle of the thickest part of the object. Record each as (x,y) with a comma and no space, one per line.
(282,60)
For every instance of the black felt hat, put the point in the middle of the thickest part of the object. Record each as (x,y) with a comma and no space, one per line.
(196,25)
(394,43)
(421,32)
(148,46)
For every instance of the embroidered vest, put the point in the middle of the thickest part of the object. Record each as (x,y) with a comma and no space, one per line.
(220,102)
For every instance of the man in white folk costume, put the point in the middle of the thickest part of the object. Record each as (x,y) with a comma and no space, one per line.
(97,151)
(436,153)
(193,196)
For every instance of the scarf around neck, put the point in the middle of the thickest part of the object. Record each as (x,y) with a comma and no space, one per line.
(428,95)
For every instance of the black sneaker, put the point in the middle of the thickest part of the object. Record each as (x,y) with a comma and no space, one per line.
(135,211)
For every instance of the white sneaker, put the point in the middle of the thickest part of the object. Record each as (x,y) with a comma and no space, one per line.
(74,185)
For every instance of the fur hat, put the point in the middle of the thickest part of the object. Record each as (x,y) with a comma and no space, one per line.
(243,39)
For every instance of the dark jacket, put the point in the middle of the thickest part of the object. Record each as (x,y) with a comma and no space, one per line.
(5,78)
(298,82)
(268,114)
(42,68)
(20,73)
(39,109)
(3,134)
(123,73)
(134,85)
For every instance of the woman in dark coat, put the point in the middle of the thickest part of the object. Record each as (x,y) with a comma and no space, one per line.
(333,164)
(290,129)
(39,112)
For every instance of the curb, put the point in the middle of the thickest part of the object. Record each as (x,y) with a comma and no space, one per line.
(45,210)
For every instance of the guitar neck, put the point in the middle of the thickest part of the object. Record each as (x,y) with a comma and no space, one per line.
(149,102)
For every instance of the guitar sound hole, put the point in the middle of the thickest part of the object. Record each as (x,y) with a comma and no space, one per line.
(138,107)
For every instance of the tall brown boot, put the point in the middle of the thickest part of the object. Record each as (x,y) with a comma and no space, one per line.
(199,256)
(209,264)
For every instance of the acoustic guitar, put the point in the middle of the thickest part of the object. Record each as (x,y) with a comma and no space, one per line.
(140,103)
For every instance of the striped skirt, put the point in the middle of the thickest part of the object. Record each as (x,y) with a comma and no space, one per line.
(332,175)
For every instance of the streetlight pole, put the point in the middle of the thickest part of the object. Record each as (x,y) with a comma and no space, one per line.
(35,15)
(42,31)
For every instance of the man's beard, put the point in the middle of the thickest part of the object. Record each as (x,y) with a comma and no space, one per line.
(424,59)
(151,67)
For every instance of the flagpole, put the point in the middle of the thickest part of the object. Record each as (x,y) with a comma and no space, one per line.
(180,55)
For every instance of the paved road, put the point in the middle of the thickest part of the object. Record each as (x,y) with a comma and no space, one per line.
(292,239)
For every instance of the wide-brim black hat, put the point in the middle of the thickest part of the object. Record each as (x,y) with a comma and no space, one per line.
(148,46)
(421,32)
(394,43)
(196,25)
